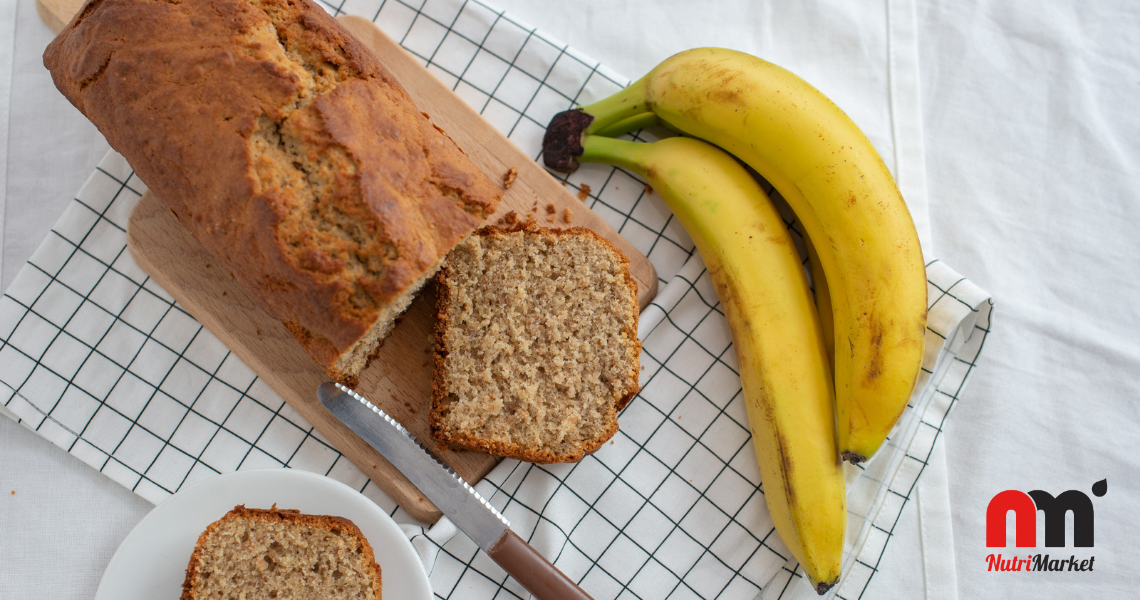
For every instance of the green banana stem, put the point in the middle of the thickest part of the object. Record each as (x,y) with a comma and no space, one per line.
(633,123)
(619,153)
(629,102)
(621,113)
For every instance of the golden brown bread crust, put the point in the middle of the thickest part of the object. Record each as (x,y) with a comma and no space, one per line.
(276,514)
(285,147)
(460,439)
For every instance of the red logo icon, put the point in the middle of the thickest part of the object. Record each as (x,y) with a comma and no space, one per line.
(1025,507)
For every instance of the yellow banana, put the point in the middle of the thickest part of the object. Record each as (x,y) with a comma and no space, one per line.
(783,370)
(822,301)
(839,188)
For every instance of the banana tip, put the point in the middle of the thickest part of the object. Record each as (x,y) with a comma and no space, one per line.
(822,587)
(562,142)
(853,457)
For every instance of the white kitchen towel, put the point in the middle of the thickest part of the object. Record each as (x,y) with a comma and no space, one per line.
(7,57)
(98,359)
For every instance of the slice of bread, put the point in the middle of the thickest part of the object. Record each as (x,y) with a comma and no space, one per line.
(536,345)
(253,554)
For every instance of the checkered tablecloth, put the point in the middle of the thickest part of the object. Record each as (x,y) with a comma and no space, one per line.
(102,362)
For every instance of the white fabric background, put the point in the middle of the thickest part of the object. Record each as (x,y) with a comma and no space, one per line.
(1031,150)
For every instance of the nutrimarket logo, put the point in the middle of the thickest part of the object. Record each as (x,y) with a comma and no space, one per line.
(1025,508)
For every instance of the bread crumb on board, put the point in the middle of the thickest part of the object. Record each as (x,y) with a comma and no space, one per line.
(510,218)
(566,215)
(509,178)
(583,192)
(550,209)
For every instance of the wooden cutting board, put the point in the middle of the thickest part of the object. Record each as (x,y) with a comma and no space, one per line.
(398,380)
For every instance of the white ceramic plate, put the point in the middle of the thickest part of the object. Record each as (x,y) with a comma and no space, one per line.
(151,562)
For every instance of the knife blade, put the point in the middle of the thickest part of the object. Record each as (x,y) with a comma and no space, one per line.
(454,497)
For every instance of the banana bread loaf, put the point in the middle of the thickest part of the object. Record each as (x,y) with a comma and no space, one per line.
(252,553)
(536,345)
(286,148)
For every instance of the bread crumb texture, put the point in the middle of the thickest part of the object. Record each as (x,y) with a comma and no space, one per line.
(256,554)
(536,343)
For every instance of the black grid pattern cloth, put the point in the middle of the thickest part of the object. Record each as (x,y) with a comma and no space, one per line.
(98,359)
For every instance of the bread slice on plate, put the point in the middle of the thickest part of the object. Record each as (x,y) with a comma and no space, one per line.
(254,554)
(536,345)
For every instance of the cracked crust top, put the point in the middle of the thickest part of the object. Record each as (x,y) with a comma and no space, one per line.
(286,148)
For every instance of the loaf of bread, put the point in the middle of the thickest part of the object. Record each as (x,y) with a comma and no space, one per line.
(536,345)
(253,554)
(286,148)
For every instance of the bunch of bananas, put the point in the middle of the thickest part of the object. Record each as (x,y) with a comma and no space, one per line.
(823,382)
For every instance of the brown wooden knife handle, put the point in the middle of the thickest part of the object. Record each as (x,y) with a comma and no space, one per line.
(533,571)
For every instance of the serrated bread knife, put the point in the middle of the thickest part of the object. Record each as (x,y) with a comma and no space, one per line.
(454,497)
